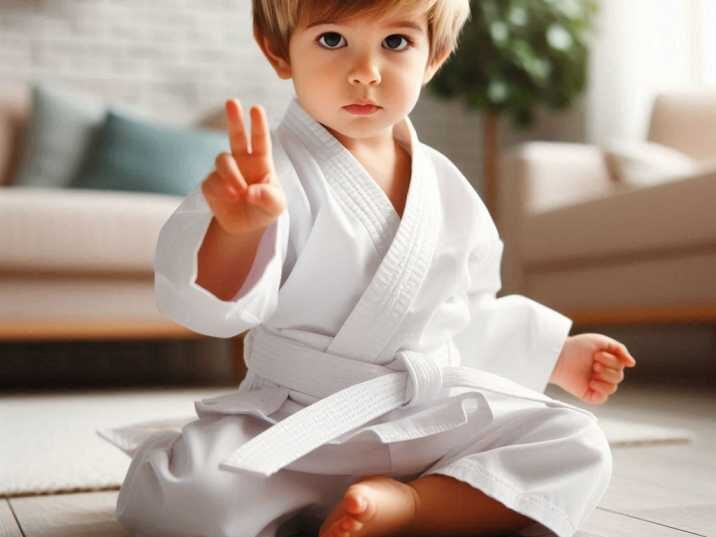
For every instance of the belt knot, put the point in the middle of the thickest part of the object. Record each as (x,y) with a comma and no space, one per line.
(425,376)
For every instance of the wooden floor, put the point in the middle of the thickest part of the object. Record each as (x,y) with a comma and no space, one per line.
(656,491)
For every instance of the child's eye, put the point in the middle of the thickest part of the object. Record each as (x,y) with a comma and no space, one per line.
(330,39)
(395,39)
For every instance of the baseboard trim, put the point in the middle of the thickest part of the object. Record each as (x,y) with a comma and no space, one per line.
(689,314)
(85,330)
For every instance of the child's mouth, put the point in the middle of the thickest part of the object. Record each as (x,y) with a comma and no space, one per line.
(361,110)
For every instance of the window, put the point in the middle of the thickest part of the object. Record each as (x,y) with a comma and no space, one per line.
(706,32)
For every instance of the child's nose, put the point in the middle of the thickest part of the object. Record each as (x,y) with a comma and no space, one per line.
(364,71)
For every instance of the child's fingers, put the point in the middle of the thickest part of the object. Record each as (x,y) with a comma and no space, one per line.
(265,197)
(217,190)
(607,359)
(226,167)
(595,397)
(237,133)
(610,360)
(615,376)
(261,149)
(260,137)
(620,352)
(602,387)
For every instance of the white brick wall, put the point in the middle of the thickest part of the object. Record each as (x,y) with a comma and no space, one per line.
(173,59)
(178,60)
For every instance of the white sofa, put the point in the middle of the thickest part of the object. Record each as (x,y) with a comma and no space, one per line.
(603,251)
(77,264)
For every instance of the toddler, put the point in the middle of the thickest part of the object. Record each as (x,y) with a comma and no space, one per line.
(389,392)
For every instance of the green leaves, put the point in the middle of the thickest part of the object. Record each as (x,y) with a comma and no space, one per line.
(515,55)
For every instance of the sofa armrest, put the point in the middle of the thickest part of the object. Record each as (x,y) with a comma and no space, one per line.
(536,177)
(669,218)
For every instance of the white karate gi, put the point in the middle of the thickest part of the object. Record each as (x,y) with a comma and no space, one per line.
(346,299)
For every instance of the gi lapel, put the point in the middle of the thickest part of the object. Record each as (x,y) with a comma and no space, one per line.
(400,275)
(350,184)
(406,254)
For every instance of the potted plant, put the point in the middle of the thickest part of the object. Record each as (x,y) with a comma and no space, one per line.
(514,56)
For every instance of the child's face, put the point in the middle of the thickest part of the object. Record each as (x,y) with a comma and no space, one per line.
(337,64)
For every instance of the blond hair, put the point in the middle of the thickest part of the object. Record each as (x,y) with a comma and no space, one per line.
(276,19)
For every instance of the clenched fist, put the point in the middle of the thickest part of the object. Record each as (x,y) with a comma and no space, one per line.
(243,191)
(591,367)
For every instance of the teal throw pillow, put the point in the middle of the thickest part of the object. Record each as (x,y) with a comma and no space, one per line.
(139,155)
(60,128)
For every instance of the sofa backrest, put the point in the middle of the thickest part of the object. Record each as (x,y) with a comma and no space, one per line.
(14,113)
(686,121)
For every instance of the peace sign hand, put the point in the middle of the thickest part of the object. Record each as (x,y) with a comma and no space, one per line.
(243,191)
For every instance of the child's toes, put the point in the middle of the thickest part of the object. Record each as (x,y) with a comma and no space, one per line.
(359,501)
(345,527)
(355,503)
(350,524)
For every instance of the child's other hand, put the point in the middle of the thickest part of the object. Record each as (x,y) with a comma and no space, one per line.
(591,366)
(243,191)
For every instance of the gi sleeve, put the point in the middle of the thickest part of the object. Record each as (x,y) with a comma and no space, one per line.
(511,336)
(176,267)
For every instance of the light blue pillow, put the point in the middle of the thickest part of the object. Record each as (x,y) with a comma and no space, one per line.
(133,154)
(60,128)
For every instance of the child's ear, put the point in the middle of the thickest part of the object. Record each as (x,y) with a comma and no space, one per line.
(281,66)
(433,68)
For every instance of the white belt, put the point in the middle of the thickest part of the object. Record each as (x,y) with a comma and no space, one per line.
(351,394)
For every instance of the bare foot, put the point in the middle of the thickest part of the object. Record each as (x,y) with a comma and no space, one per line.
(372,507)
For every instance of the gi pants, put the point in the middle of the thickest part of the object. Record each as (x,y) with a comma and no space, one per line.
(548,463)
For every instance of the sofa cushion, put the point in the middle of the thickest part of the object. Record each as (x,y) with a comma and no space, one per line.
(646,163)
(139,155)
(59,130)
(50,230)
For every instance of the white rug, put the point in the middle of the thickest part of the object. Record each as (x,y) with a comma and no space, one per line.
(48,442)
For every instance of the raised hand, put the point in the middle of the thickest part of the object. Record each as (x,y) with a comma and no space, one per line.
(243,191)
